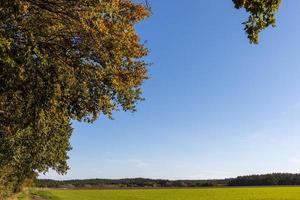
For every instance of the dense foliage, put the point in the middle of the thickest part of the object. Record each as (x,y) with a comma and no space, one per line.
(62,60)
(261,15)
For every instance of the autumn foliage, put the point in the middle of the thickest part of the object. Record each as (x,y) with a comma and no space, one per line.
(62,60)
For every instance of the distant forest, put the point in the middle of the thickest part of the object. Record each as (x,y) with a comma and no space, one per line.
(279,179)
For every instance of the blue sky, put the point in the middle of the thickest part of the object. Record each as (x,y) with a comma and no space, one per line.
(215,105)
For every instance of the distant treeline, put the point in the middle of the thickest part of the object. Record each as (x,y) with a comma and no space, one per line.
(265,180)
(253,180)
(127,183)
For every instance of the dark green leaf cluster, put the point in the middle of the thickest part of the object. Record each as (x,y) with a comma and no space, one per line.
(261,15)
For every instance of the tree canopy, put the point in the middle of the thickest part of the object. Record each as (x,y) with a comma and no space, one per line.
(62,60)
(261,15)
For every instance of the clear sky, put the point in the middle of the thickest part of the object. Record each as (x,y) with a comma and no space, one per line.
(215,105)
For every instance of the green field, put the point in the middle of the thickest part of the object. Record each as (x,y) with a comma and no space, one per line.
(254,193)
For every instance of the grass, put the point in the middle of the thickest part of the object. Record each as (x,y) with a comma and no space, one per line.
(22,196)
(250,193)
(44,194)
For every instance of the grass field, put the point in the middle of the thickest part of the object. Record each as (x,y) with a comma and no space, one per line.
(254,193)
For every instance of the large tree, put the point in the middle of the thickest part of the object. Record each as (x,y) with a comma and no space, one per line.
(62,60)
(261,15)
